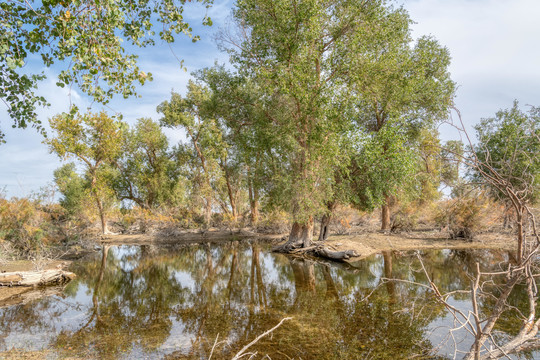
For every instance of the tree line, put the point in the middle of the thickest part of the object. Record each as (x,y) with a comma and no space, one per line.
(323,103)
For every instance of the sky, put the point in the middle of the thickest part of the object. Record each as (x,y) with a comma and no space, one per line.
(493,44)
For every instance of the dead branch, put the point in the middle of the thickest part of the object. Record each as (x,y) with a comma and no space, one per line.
(244,349)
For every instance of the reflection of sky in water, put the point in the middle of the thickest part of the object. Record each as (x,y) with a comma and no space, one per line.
(195,288)
(448,333)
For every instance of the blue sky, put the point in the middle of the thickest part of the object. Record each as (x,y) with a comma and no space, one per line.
(495,59)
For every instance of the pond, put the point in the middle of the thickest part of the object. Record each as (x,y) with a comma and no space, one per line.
(188,302)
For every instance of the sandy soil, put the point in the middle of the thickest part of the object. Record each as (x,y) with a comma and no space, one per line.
(375,242)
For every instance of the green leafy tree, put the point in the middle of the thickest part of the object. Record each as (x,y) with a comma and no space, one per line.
(88,36)
(148,175)
(232,102)
(95,140)
(321,69)
(383,166)
(510,143)
(507,160)
(73,188)
(293,52)
(395,83)
(205,149)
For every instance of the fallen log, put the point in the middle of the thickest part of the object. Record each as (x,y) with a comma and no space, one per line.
(320,250)
(36,278)
(335,255)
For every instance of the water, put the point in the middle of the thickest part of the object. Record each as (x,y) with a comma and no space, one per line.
(176,303)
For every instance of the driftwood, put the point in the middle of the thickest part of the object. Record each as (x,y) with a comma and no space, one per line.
(317,250)
(335,255)
(36,278)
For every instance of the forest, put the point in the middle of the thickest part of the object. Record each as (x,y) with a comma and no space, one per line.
(319,139)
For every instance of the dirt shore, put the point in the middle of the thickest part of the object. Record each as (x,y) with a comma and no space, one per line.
(373,243)
(365,244)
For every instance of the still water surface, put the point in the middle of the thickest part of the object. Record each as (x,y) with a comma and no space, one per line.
(147,302)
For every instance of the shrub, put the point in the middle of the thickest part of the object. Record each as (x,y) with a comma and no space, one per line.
(405,219)
(27,227)
(342,220)
(465,217)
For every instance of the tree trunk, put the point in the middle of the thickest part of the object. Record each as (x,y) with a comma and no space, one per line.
(104,228)
(385,214)
(302,233)
(99,203)
(325,223)
(101,211)
(335,255)
(231,193)
(208,212)
(253,203)
(301,236)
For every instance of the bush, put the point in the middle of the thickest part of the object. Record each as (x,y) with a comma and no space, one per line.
(26,225)
(465,217)
(138,220)
(405,219)
(342,220)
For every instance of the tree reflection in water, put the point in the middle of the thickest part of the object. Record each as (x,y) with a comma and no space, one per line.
(174,303)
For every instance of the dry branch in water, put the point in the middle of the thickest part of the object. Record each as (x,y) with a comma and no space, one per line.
(523,270)
(244,349)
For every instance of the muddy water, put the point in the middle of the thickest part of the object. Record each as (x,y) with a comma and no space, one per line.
(136,302)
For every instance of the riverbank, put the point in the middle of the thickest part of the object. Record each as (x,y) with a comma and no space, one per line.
(364,244)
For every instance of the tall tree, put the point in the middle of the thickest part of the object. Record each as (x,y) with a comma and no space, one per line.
(322,68)
(205,149)
(293,51)
(95,140)
(148,175)
(397,84)
(231,103)
(88,37)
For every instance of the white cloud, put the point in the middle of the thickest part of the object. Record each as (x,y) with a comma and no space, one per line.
(493,48)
